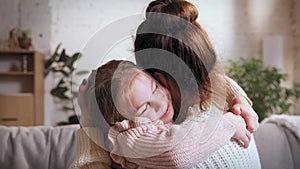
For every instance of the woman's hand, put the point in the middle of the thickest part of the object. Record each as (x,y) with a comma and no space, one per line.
(241,134)
(242,107)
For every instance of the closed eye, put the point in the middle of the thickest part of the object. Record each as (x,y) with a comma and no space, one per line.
(143,109)
(155,88)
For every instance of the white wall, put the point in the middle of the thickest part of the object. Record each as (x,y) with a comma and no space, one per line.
(33,14)
(11,8)
(74,22)
(236,27)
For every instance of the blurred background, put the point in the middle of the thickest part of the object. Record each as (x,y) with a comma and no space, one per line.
(268,30)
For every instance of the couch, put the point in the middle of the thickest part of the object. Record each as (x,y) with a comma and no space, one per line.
(37,147)
(54,147)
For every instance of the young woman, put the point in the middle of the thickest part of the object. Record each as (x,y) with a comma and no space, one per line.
(200,57)
(171,28)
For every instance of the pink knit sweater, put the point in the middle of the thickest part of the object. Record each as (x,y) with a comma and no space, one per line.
(152,144)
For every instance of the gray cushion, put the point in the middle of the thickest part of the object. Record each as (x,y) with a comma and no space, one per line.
(294,147)
(275,145)
(37,147)
(54,147)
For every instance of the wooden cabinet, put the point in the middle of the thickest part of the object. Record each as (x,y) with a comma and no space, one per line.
(21,88)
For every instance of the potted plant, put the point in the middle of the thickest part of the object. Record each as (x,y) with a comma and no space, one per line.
(263,86)
(25,39)
(62,65)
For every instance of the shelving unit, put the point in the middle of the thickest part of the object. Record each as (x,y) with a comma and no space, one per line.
(16,73)
(21,88)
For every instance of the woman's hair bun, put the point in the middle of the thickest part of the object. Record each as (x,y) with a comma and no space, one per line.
(164,15)
(180,8)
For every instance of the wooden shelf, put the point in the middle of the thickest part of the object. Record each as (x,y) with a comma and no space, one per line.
(16,73)
(16,94)
(16,51)
(21,93)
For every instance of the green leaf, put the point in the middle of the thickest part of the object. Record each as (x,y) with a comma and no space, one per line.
(61,82)
(70,62)
(263,86)
(66,108)
(63,57)
(82,72)
(65,83)
(59,92)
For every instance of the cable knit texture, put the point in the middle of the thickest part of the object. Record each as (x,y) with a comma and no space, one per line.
(152,144)
(232,155)
(89,155)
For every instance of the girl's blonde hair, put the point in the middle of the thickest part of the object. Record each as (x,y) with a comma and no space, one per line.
(121,88)
(111,87)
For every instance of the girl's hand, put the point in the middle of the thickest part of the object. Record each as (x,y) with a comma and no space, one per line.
(241,134)
(242,107)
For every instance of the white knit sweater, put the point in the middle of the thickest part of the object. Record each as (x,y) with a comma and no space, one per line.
(233,156)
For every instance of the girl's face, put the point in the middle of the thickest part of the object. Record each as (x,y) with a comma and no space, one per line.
(150,99)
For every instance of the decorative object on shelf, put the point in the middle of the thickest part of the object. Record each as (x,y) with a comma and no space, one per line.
(25,39)
(62,66)
(13,42)
(14,67)
(24,63)
(20,39)
(264,86)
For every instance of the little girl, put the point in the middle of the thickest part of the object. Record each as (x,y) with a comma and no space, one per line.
(140,112)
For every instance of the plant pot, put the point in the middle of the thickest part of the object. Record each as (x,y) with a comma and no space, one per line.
(25,43)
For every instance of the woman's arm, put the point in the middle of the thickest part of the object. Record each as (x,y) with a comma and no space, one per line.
(88,154)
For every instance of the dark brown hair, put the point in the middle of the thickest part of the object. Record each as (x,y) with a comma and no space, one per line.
(185,39)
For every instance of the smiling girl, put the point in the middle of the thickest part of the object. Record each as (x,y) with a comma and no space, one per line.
(141,115)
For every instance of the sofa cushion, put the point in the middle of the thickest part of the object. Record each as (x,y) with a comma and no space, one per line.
(40,147)
(274,147)
(294,146)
